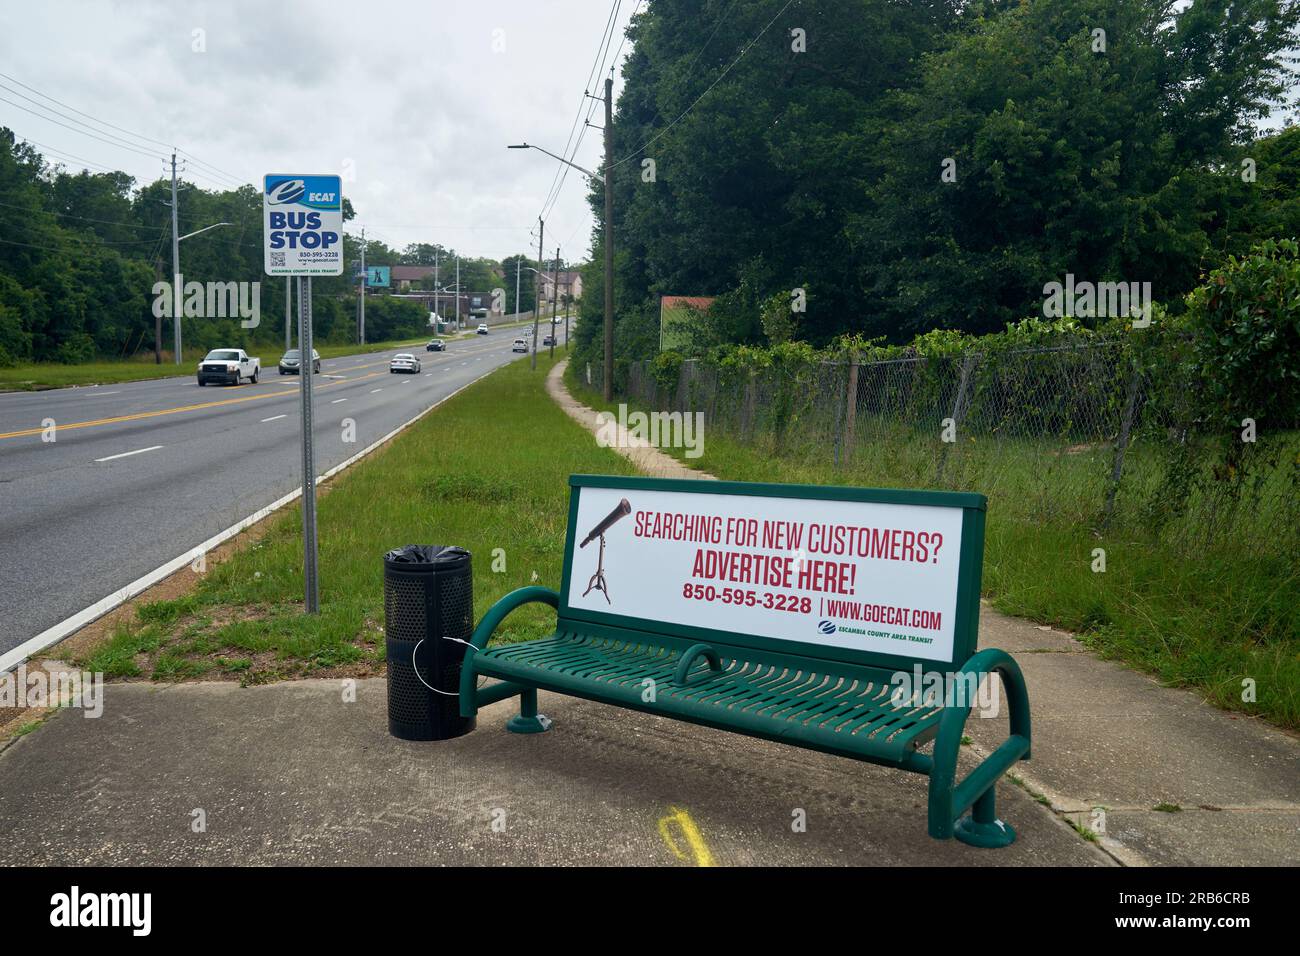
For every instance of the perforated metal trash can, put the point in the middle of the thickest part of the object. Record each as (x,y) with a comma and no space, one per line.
(428,596)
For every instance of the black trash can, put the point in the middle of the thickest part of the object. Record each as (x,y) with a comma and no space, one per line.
(428,597)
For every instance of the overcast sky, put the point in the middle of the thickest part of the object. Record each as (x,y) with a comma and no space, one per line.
(415,98)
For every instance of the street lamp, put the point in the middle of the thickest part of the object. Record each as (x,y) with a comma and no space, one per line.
(176,283)
(596,176)
(607,180)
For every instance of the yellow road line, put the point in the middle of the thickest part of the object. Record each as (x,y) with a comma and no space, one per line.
(183,408)
(700,852)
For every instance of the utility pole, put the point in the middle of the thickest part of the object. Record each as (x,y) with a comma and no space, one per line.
(157,324)
(288,310)
(176,271)
(541,232)
(361,294)
(518,265)
(437,316)
(609,239)
(555,294)
(458,292)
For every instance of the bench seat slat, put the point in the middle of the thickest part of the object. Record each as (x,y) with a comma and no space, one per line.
(812,703)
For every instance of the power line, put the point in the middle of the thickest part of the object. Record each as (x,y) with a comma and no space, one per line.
(81,131)
(140,136)
(77,237)
(238,179)
(79,112)
(115,140)
(68,215)
(706,92)
(597,65)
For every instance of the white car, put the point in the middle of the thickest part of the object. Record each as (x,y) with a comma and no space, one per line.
(482,329)
(521,345)
(404,362)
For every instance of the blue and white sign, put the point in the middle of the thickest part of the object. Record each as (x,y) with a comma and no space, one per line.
(302,220)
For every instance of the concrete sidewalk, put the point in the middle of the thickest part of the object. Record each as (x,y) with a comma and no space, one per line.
(1110,744)
(212,773)
(291,773)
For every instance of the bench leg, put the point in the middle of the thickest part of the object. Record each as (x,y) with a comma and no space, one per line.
(528,721)
(982,827)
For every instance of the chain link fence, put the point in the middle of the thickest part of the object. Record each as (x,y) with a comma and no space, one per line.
(1075,434)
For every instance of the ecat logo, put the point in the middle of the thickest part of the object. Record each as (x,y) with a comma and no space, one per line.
(285,191)
(826,627)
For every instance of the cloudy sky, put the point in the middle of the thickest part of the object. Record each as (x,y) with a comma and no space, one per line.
(413,101)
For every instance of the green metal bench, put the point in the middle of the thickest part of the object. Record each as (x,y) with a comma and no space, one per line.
(838,700)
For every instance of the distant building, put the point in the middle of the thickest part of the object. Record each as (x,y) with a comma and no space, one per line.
(402,277)
(677,313)
(570,284)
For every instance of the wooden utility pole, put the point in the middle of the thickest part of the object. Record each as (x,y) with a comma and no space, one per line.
(541,233)
(555,295)
(609,239)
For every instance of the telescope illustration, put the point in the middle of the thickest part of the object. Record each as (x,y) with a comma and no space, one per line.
(597,581)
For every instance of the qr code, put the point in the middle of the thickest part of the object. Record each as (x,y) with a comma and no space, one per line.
(277,258)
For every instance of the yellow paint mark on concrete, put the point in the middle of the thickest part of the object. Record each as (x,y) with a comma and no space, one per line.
(183,408)
(699,850)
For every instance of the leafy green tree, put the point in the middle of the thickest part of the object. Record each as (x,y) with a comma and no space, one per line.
(1037,146)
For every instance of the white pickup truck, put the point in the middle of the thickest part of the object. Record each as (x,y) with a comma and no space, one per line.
(229,367)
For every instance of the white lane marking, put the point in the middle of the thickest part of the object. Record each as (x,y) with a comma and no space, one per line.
(373,390)
(405,381)
(52,635)
(128,454)
(337,400)
(102,394)
(273,418)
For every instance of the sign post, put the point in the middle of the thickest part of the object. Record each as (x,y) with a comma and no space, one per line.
(302,217)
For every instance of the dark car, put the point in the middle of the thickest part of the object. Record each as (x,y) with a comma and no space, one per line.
(436,345)
(291,361)
(549,340)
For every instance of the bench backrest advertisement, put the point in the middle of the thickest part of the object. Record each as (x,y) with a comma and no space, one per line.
(873,576)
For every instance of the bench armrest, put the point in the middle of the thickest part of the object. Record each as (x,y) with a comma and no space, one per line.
(483,633)
(948,799)
(688,659)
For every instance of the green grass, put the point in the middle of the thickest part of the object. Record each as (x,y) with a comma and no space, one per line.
(1206,618)
(458,476)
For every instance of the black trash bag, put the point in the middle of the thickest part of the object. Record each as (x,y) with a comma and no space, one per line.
(425,554)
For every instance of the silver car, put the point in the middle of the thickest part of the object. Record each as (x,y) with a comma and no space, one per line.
(404,362)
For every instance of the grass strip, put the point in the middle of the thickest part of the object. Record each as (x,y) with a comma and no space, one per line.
(487,470)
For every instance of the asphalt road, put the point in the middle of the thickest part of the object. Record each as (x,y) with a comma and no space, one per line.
(141,472)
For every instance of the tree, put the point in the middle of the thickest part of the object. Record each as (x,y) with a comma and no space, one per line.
(1036,146)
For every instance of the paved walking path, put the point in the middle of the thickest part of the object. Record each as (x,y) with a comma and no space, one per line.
(1110,744)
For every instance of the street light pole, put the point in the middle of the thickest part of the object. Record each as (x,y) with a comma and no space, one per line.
(609,228)
(361,294)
